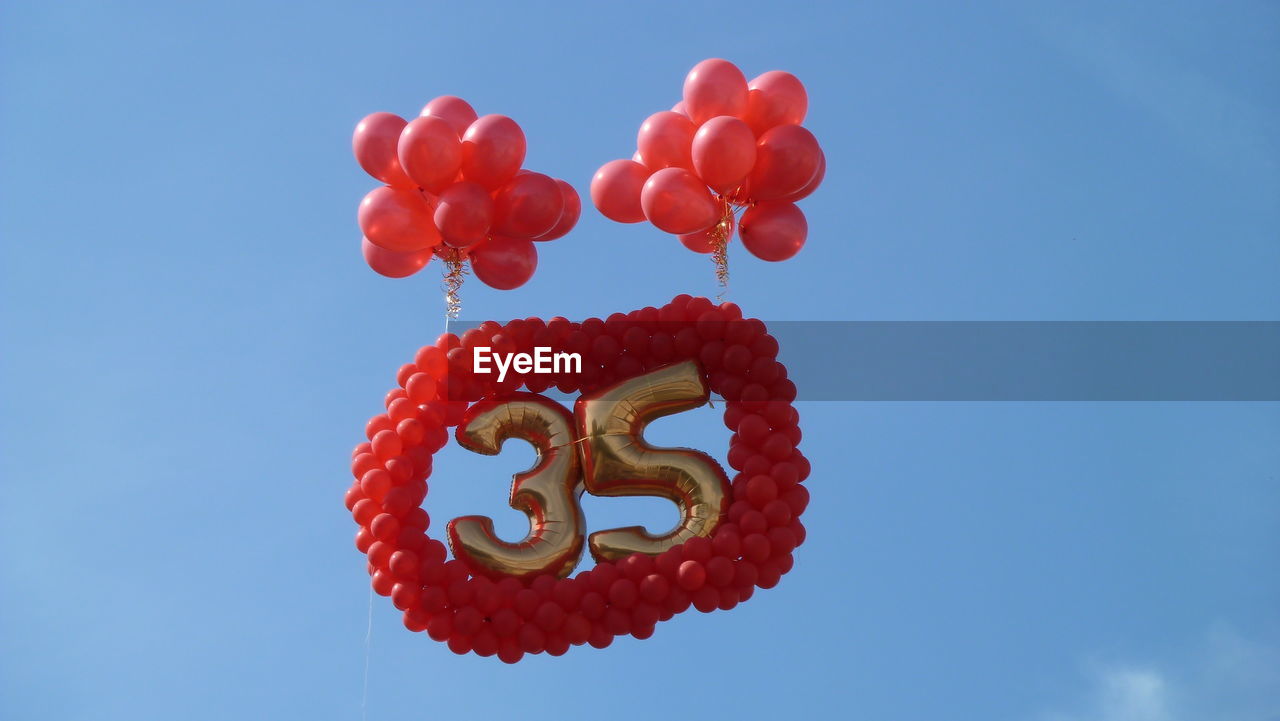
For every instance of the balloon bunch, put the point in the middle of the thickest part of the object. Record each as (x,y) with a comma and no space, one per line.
(729,146)
(455,189)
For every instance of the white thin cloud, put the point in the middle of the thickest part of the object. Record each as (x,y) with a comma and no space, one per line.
(1228,678)
(1123,694)
(1135,695)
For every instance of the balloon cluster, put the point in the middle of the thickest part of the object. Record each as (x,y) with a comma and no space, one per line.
(455,189)
(729,146)
(751,548)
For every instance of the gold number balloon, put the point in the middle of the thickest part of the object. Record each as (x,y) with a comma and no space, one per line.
(616,461)
(548,493)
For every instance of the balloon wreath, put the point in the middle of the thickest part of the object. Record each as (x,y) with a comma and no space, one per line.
(512,599)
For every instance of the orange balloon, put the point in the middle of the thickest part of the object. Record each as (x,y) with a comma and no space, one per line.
(774,231)
(787,157)
(456,111)
(527,206)
(714,87)
(430,152)
(397,219)
(374,145)
(704,241)
(464,214)
(391,263)
(775,98)
(813,183)
(664,141)
(615,190)
(492,150)
(504,263)
(724,151)
(568,217)
(677,202)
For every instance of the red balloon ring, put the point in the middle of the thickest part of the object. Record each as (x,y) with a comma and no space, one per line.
(751,548)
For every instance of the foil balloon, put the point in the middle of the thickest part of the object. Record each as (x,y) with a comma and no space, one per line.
(616,461)
(548,493)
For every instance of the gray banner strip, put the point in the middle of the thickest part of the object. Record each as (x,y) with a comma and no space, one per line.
(1027,360)
(1032,361)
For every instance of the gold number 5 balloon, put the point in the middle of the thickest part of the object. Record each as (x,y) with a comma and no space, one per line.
(615,461)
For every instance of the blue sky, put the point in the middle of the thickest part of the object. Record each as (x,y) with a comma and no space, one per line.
(192,345)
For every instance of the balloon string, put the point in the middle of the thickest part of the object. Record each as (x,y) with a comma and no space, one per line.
(720,246)
(452,285)
(584,439)
(368,644)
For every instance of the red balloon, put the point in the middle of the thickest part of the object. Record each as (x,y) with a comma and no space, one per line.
(775,98)
(714,87)
(374,145)
(813,183)
(677,202)
(615,190)
(774,231)
(528,205)
(430,152)
(691,575)
(704,241)
(569,216)
(787,157)
(397,219)
(456,111)
(464,213)
(664,140)
(724,151)
(504,263)
(391,263)
(679,108)
(492,150)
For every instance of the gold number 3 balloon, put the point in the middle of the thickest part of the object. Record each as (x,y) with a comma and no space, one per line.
(548,493)
(614,460)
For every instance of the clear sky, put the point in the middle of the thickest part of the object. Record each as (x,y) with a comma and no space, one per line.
(192,344)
